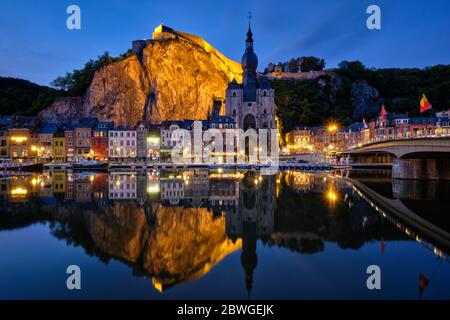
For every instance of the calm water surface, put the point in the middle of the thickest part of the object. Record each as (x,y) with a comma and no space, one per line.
(213,234)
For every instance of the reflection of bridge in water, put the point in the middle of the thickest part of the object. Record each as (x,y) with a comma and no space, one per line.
(411,223)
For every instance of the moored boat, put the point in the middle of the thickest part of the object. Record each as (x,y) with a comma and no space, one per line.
(9,165)
(89,165)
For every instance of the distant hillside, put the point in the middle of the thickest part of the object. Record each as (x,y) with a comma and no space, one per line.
(352,92)
(23,97)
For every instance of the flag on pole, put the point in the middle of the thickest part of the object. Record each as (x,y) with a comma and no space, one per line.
(423,282)
(365,123)
(424,104)
(383,113)
(382,245)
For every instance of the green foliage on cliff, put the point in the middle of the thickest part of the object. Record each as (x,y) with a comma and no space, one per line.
(75,83)
(310,102)
(401,89)
(303,64)
(22,97)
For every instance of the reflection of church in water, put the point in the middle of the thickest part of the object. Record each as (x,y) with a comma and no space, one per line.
(253,219)
(248,206)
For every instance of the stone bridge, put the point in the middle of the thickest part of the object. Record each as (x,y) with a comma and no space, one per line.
(419,158)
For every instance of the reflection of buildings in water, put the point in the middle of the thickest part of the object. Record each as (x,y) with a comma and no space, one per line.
(59,181)
(100,185)
(224,195)
(196,188)
(172,190)
(299,181)
(82,188)
(307,182)
(122,186)
(15,189)
(256,205)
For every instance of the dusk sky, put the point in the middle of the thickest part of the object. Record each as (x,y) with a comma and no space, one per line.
(36,45)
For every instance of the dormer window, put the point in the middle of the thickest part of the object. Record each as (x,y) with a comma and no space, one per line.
(265,94)
(234,94)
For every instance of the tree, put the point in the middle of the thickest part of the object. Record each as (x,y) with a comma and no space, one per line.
(311,64)
(270,68)
(75,83)
(293,65)
(351,66)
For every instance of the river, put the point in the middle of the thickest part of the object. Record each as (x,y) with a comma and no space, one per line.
(215,234)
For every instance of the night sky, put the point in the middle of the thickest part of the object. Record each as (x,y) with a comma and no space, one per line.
(36,45)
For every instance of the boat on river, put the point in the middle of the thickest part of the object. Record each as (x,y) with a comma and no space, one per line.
(11,165)
(89,165)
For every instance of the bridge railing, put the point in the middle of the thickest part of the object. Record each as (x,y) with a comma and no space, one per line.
(419,134)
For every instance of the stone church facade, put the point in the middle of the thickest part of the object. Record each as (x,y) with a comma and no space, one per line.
(251,103)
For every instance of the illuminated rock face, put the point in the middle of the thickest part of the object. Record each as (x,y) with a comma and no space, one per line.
(172,78)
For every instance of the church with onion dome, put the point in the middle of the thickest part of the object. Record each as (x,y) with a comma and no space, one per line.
(252,103)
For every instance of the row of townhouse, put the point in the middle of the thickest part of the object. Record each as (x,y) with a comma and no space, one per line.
(218,126)
(85,138)
(389,126)
(89,138)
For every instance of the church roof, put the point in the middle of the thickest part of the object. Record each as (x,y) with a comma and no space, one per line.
(234,85)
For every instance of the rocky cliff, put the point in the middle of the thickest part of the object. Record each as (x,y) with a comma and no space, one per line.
(174,76)
(365,99)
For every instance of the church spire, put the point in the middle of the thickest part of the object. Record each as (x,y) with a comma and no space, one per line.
(249,62)
(249,40)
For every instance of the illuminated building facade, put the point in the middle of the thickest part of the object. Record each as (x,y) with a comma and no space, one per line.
(122,143)
(83,138)
(100,140)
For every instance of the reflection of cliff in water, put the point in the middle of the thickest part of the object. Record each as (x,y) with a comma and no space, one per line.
(180,244)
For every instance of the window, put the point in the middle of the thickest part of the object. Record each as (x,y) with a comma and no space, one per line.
(234,94)
(265,94)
